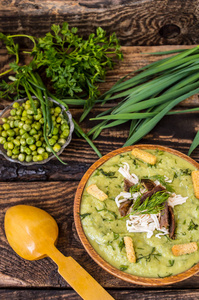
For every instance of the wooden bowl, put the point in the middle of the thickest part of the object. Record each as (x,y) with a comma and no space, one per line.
(147,281)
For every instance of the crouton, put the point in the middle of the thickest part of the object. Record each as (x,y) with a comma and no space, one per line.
(184,248)
(145,156)
(129,249)
(96,192)
(195,180)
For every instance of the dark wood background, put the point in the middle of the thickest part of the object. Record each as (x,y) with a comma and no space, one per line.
(52,186)
(136,22)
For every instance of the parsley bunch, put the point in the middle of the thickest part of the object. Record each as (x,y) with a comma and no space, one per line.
(72,64)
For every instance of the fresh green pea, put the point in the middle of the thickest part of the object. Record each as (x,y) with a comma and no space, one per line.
(20,125)
(45,155)
(34,153)
(28,121)
(21,157)
(14,156)
(64,126)
(37,126)
(4,133)
(4,120)
(39,157)
(52,141)
(34,158)
(65,133)
(27,107)
(16,123)
(6,126)
(55,131)
(15,105)
(27,150)
(30,111)
(10,145)
(10,132)
(23,142)
(38,143)
(59,119)
(22,149)
(9,153)
(32,147)
(37,117)
(23,119)
(19,112)
(55,137)
(16,142)
(41,121)
(33,131)
(16,130)
(28,158)
(25,135)
(5,145)
(57,109)
(30,140)
(40,150)
(24,113)
(22,131)
(61,141)
(15,151)
(2,140)
(56,147)
(48,149)
(26,127)
(13,112)
(10,138)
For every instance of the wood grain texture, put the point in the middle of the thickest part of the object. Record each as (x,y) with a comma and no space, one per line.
(142,22)
(125,294)
(56,198)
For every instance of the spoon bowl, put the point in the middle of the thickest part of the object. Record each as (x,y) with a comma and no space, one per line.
(35,227)
(32,233)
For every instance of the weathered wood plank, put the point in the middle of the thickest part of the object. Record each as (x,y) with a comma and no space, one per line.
(57,199)
(116,293)
(141,22)
(173,131)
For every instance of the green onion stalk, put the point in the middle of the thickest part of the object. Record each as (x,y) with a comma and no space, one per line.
(150,94)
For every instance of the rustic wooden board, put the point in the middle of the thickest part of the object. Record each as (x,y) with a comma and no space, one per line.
(57,199)
(136,22)
(52,187)
(125,294)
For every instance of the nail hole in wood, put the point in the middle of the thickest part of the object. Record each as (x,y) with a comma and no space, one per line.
(169,31)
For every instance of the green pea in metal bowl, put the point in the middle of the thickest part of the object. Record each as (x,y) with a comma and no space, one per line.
(21,133)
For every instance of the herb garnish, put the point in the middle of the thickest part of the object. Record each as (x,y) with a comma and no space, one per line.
(192,225)
(123,267)
(185,171)
(82,216)
(152,205)
(171,262)
(121,244)
(149,256)
(107,210)
(135,188)
(107,174)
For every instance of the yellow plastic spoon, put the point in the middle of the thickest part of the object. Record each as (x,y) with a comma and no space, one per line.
(32,234)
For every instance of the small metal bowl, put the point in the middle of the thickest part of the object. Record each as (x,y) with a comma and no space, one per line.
(6,112)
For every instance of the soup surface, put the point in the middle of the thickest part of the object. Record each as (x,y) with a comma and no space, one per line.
(105,229)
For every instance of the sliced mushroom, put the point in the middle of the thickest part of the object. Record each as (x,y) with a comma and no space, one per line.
(156,189)
(127,185)
(164,217)
(171,223)
(148,184)
(124,207)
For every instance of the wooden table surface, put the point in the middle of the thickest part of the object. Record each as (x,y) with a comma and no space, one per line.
(52,187)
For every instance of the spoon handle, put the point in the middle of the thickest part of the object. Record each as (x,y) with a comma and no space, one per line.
(80,280)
